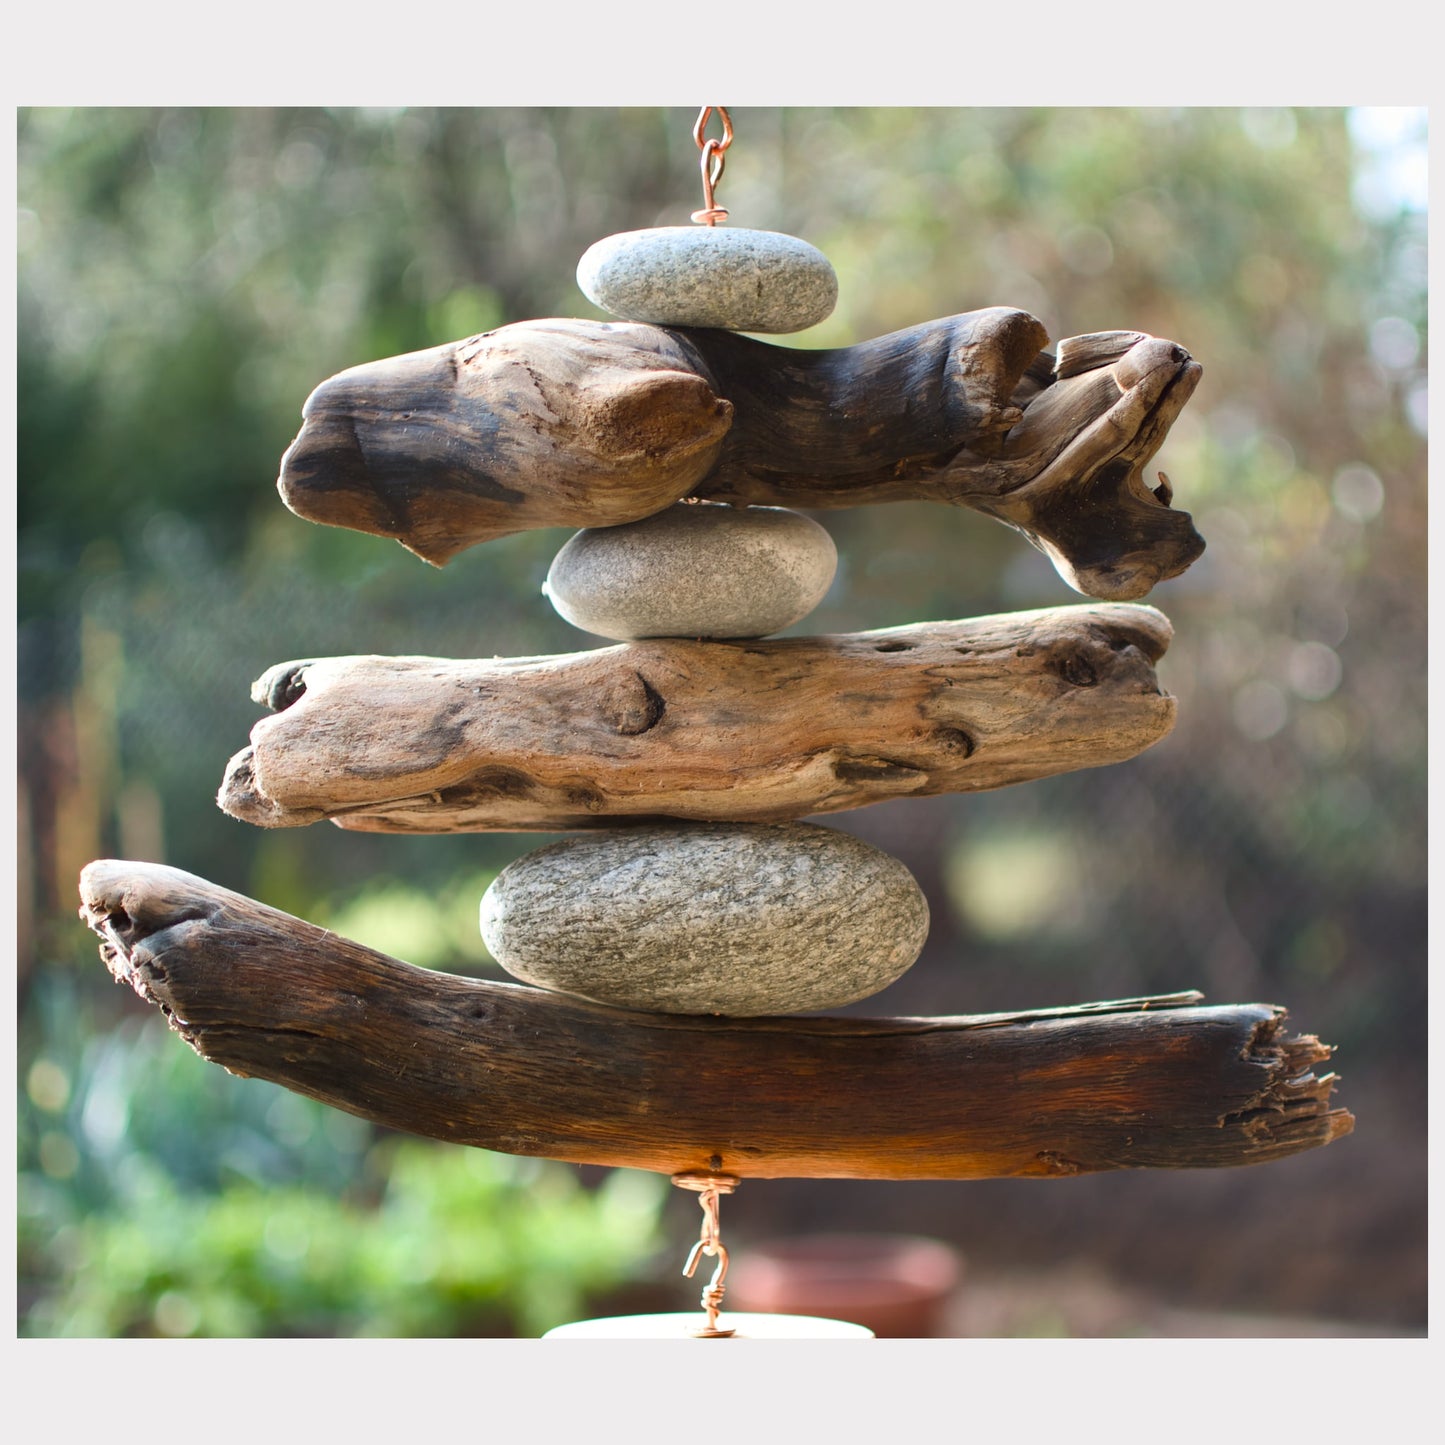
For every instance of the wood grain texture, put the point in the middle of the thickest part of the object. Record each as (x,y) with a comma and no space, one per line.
(761,731)
(1156,1083)
(586,424)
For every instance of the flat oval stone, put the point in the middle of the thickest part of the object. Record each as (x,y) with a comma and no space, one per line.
(694,570)
(743,919)
(718,276)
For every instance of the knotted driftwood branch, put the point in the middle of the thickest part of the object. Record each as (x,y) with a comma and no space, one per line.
(588,424)
(670,728)
(1144,1083)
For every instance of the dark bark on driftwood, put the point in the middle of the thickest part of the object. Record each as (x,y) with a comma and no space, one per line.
(588,424)
(1155,1083)
(722,731)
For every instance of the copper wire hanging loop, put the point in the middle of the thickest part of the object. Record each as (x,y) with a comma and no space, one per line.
(712,164)
(709,1187)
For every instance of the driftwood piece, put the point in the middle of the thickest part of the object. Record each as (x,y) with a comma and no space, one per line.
(1145,1083)
(587,424)
(671,728)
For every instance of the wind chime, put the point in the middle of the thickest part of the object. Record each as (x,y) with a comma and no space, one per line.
(665,945)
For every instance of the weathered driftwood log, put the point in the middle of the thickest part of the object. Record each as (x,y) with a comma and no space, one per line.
(589,424)
(1159,1083)
(671,728)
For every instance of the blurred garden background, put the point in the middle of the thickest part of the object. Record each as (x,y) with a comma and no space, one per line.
(187,276)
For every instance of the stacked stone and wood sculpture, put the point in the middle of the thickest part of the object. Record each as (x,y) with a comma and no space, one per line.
(664,943)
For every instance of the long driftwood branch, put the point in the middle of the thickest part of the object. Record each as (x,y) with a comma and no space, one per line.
(671,728)
(1151,1083)
(589,424)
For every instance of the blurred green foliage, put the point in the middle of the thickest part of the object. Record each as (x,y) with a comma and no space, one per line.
(186,276)
(461,1242)
(158,1196)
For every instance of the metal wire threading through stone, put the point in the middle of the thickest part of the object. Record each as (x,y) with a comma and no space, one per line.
(708,1188)
(712,164)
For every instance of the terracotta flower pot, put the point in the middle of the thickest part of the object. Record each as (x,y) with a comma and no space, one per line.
(896,1285)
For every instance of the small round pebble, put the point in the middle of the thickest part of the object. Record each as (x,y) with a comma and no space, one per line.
(742,919)
(718,276)
(694,570)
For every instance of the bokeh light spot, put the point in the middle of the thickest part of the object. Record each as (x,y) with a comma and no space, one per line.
(1394,343)
(286,1238)
(1358,492)
(176,1315)
(1011,886)
(59,1157)
(48,1086)
(1270,127)
(1086,250)
(1260,710)
(1314,671)
(1417,409)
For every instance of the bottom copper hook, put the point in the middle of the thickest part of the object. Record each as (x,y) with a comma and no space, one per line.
(709,1187)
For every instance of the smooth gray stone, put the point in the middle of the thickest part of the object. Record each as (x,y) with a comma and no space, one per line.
(743,919)
(694,570)
(719,276)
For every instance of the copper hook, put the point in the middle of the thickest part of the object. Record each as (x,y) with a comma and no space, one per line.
(712,163)
(708,1188)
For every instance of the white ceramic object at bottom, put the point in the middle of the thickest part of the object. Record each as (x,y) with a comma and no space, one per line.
(678,1326)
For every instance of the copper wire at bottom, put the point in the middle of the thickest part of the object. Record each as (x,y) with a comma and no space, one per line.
(708,1187)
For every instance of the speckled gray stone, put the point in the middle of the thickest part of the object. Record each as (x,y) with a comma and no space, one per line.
(694,570)
(719,276)
(743,919)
